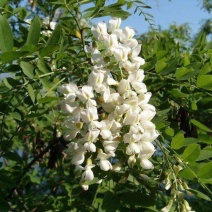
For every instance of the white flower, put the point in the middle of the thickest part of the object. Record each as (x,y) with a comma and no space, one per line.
(147,125)
(131,117)
(124,86)
(94,125)
(73,129)
(110,146)
(88,175)
(138,60)
(146,152)
(132,43)
(147,148)
(112,102)
(146,164)
(92,135)
(110,41)
(96,57)
(104,164)
(139,87)
(89,114)
(131,159)
(168,207)
(136,129)
(121,54)
(90,147)
(144,98)
(113,24)
(66,89)
(96,80)
(77,153)
(129,66)
(136,76)
(84,186)
(147,114)
(66,108)
(117,167)
(111,81)
(85,93)
(52,25)
(126,34)
(149,135)
(99,30)
(135,51)
(105,129)
(132,140)
(119,102)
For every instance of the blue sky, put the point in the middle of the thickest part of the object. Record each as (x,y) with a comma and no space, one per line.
(166,12)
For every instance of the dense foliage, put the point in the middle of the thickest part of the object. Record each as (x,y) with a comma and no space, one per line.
(41,48)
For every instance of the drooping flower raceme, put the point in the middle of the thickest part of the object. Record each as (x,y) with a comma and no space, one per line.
(109,119)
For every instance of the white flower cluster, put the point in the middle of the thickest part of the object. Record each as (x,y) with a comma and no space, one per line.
(111,112)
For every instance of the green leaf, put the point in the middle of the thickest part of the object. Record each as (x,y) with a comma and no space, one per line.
(186,174)
(200,41)
(6,180)
(47,99)
(204,155)
(31,92)
(190,141)
(48,50)
(34,32)
(27,69)
(11,83)
(186,59)
(42,66)
(180,72)
(7,57)
(13,156)
(205,138)
(205,171)
(200,125)
(169,131)
(137,198)
(207,181)
(129,5)
(55,36)
(178,94)
(3,2)
(16,116)
(4,206)
(205,81)
(194,105)
(110,202)
(160,65)
(191,153)
(161,54)
(178,141)
(6,36)
(199,194)
(206,69)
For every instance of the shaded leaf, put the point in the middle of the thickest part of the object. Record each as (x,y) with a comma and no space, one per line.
(6,36)
(200,125)
(199,194)
(34,32)
(31,92)
(27,69)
